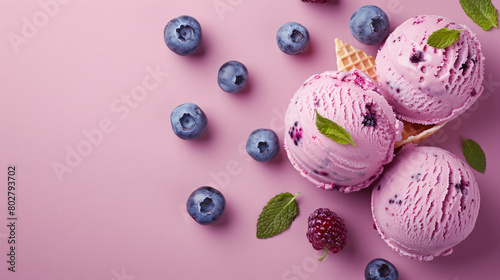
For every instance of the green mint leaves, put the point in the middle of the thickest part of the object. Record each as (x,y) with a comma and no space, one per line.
(333,131)
(443,38)
(277,215)
(481,12)
(474,155)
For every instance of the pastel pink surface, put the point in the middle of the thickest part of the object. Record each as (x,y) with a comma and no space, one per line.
(121,210)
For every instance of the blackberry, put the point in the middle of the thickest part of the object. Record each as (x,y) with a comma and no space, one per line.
(326,231)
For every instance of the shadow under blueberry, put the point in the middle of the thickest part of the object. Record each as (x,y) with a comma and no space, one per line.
(200,51)
(279,159)
(310,49)
(205,136)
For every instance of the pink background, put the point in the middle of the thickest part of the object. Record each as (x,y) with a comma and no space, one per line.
(119,211)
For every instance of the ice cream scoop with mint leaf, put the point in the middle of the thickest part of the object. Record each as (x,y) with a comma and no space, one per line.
(352,101)
(428,85)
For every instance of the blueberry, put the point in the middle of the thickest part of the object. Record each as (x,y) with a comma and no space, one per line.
(206,205)
(369,120)
(380,269)
(233,76)
(292,38)
(263,144)
(369,25)
(188,121)
(183,35)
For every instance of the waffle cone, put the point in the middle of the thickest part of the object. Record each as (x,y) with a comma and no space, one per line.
(416,133)
(349,58)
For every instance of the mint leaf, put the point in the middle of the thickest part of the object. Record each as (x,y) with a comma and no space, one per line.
(474,155)
(333,131)
(443,38)
(481,12)
(277,215)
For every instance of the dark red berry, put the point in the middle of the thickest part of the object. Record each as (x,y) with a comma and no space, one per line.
(326,230)
(316,1)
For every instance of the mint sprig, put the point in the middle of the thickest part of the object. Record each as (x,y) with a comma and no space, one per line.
(443,38)
(333,131)
(482,12)
(474,155)
(277,215)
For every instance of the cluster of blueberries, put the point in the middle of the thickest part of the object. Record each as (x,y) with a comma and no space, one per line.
(183,35)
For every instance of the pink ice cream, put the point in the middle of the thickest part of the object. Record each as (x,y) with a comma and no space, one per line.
(427,85)
(426,202)
(352,100)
